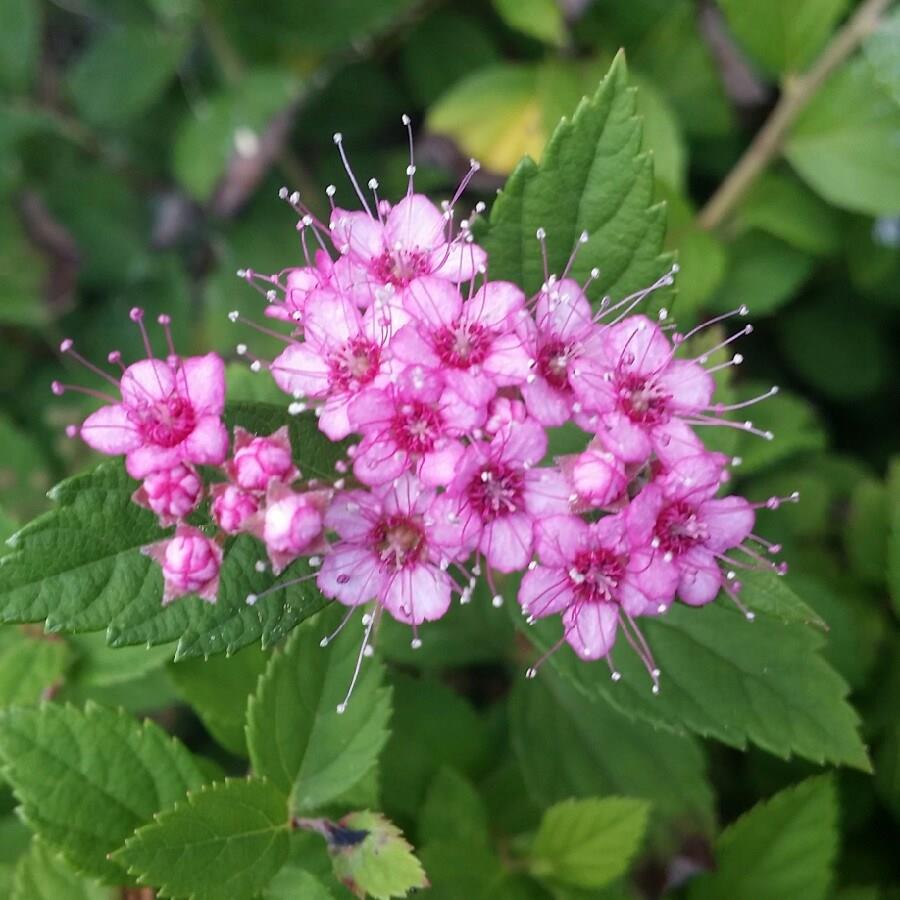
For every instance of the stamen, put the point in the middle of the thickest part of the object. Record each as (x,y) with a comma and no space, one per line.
(339,142)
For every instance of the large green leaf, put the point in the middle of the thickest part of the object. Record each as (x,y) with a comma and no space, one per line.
(29,665)
(79,567)
(724,677)
(783,849)
(844,144)
(882,49)
(225,841)
(453,812)
(43,875)
(592,177)
(572,746)
(295,734)
(86,780)
(218,690)
(149,56)
(588,843)
(541,19)
(20,33)
(782,36)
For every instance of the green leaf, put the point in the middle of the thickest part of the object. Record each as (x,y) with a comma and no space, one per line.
(783,849)
(662,134)
(295,734)
(784,37)
(43,875)
(441,51)
(232,120)
(893,551)
(859,352)
(794,422)
(20,35)
(218,690)
(292,882)
(432,726)
(87,779)
(29,665)
(882,49)
(865,527)
(226,840)
(494,114)
(783,207)
(382,865)
(844,142)
(148,55)
(22,273)
(730,679)
(541,19)
(453,811)
(99,667)
(594,161)
(887,771)
(588,843)
(763,274)
(572,746)
(308,868)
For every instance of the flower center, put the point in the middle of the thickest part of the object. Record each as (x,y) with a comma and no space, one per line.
(399,542)
(416,427)
(644,402)
(165,423)
(553,364)
(596,574)
(400,266)
(356,363)
(678,529)
(462,345)
(496,491)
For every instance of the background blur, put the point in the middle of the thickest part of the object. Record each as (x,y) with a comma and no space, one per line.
(142,143)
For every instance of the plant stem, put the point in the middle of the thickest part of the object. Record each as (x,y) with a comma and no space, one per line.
(797,92)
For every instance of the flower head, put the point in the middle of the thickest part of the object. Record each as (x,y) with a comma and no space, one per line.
(258,461)
(171,493)
(168,410)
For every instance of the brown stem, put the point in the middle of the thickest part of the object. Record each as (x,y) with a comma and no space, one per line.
(796,94)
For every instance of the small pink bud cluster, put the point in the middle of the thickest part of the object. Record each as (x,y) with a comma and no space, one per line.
(448,381)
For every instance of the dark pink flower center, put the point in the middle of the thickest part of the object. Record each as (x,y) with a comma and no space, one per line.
(462,345)
(399,542)
(164,423)
(678,529)
(355,364)
(496,491)
(595,575)
(416,426)
(553,364)
(399,267)
(644,402)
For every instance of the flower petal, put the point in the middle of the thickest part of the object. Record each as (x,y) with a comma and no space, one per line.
(545,591)
(418,594)
(350,575)
(201,379)
(207,444)
(507,542)
(415,223)
(110,431)
(591,628)
(701,577)
(147,381)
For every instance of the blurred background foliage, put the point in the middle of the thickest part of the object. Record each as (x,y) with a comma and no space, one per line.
(142,143)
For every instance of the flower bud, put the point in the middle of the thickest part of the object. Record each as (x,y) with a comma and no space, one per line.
(190,563)
(171,493)
(293,524)
(232,507)
(260,460)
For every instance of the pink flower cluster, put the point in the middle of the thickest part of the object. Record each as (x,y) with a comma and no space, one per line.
(447,383)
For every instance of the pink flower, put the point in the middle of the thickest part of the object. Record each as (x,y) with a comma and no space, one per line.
(474,344)
(232,508)
(493,501)
(293,524)
(300,284)
(190,564)
(690,530)
(596,578)
(641,393)
(170,493)
(407,425)
(406,242)
(341,355)
(387,552)
(169,413)
(257,461)
(564,333)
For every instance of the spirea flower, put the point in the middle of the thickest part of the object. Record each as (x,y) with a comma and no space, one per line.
(445,386)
